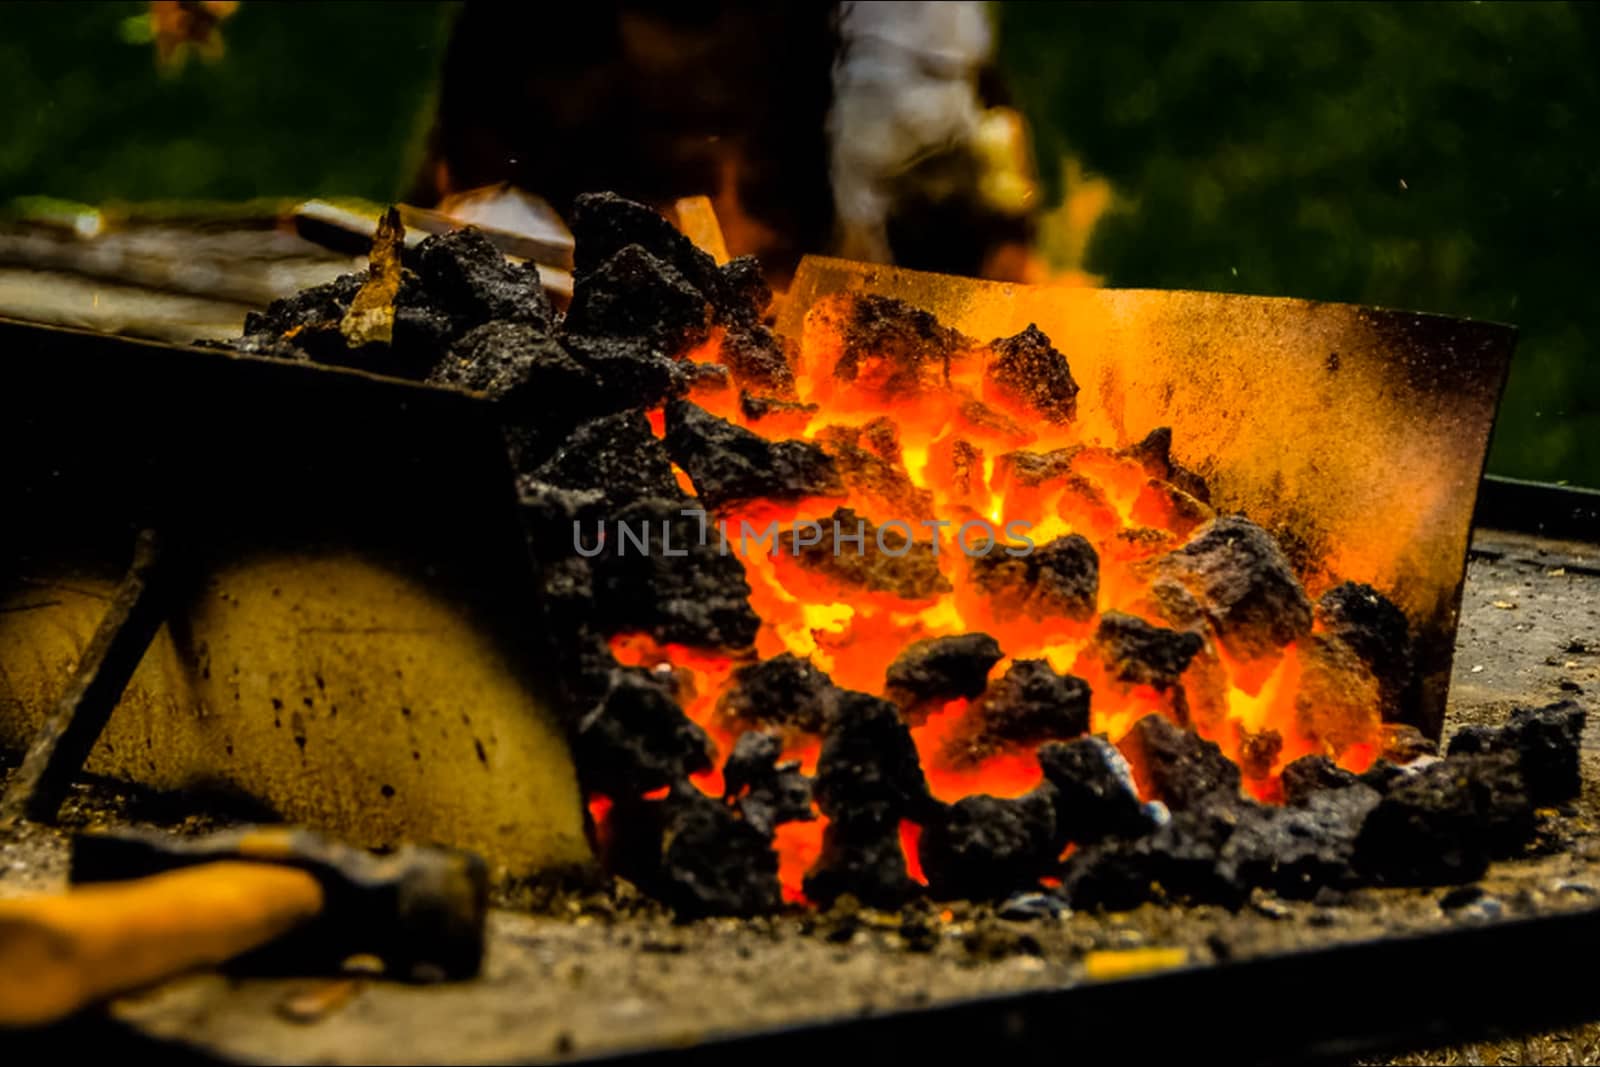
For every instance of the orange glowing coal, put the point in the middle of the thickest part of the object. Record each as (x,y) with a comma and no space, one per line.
(929,427)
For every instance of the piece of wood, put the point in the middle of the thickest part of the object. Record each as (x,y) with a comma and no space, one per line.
(62,952)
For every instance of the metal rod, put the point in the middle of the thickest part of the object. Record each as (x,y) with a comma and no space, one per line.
(62,744)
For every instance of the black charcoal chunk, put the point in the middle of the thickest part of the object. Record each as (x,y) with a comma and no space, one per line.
(603,224)
(1442,824)
(861,856)
(1295,852)
(654,574)
(464,274)
(868,761)
(728,463)
(870,463)
(937,669)
(755,407)
(1244,584)
(785,692)
(1180,860)
(549,513)
(567,592)
(767,792)
(320,306)
(1546,743)
(1036,468)
(1060,579)
(1153,453)
(986,848)
(897,346)
(758,362)
(1404,743)
(589,671)
(1309,775)
(1029,704)
(632,371)
(1028,369)
(637,738)
(617,456)
(745,295)
(707,377)
(1096,797)
(1476,739)
(883,561)
(1138,653)
(521,365)
(1337,704)
(1258,751)
(696,855)
(633,294)
(1377,631)
(1178,766)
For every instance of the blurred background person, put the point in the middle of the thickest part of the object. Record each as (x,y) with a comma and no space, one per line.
(863,129)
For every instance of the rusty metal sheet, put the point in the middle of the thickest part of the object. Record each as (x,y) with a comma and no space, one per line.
(355,641)
(1358,435)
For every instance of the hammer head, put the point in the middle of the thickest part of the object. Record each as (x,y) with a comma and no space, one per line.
(419,909)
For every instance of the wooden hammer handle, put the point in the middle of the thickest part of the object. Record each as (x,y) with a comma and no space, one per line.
(62,952)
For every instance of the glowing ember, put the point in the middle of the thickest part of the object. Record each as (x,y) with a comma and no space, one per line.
(984,506)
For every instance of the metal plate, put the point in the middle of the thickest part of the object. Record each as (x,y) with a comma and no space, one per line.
(1356,434)
(354,643)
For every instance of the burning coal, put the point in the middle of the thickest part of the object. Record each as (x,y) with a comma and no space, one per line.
(1038,656)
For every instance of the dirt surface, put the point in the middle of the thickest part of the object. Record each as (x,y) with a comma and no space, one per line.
(590,973)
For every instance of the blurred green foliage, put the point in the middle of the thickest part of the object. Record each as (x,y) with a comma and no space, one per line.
(310,98)
(1439,157)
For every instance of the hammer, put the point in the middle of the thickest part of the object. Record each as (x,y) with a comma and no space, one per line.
(147,906)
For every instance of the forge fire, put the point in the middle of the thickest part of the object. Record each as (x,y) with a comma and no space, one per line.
(871,611)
